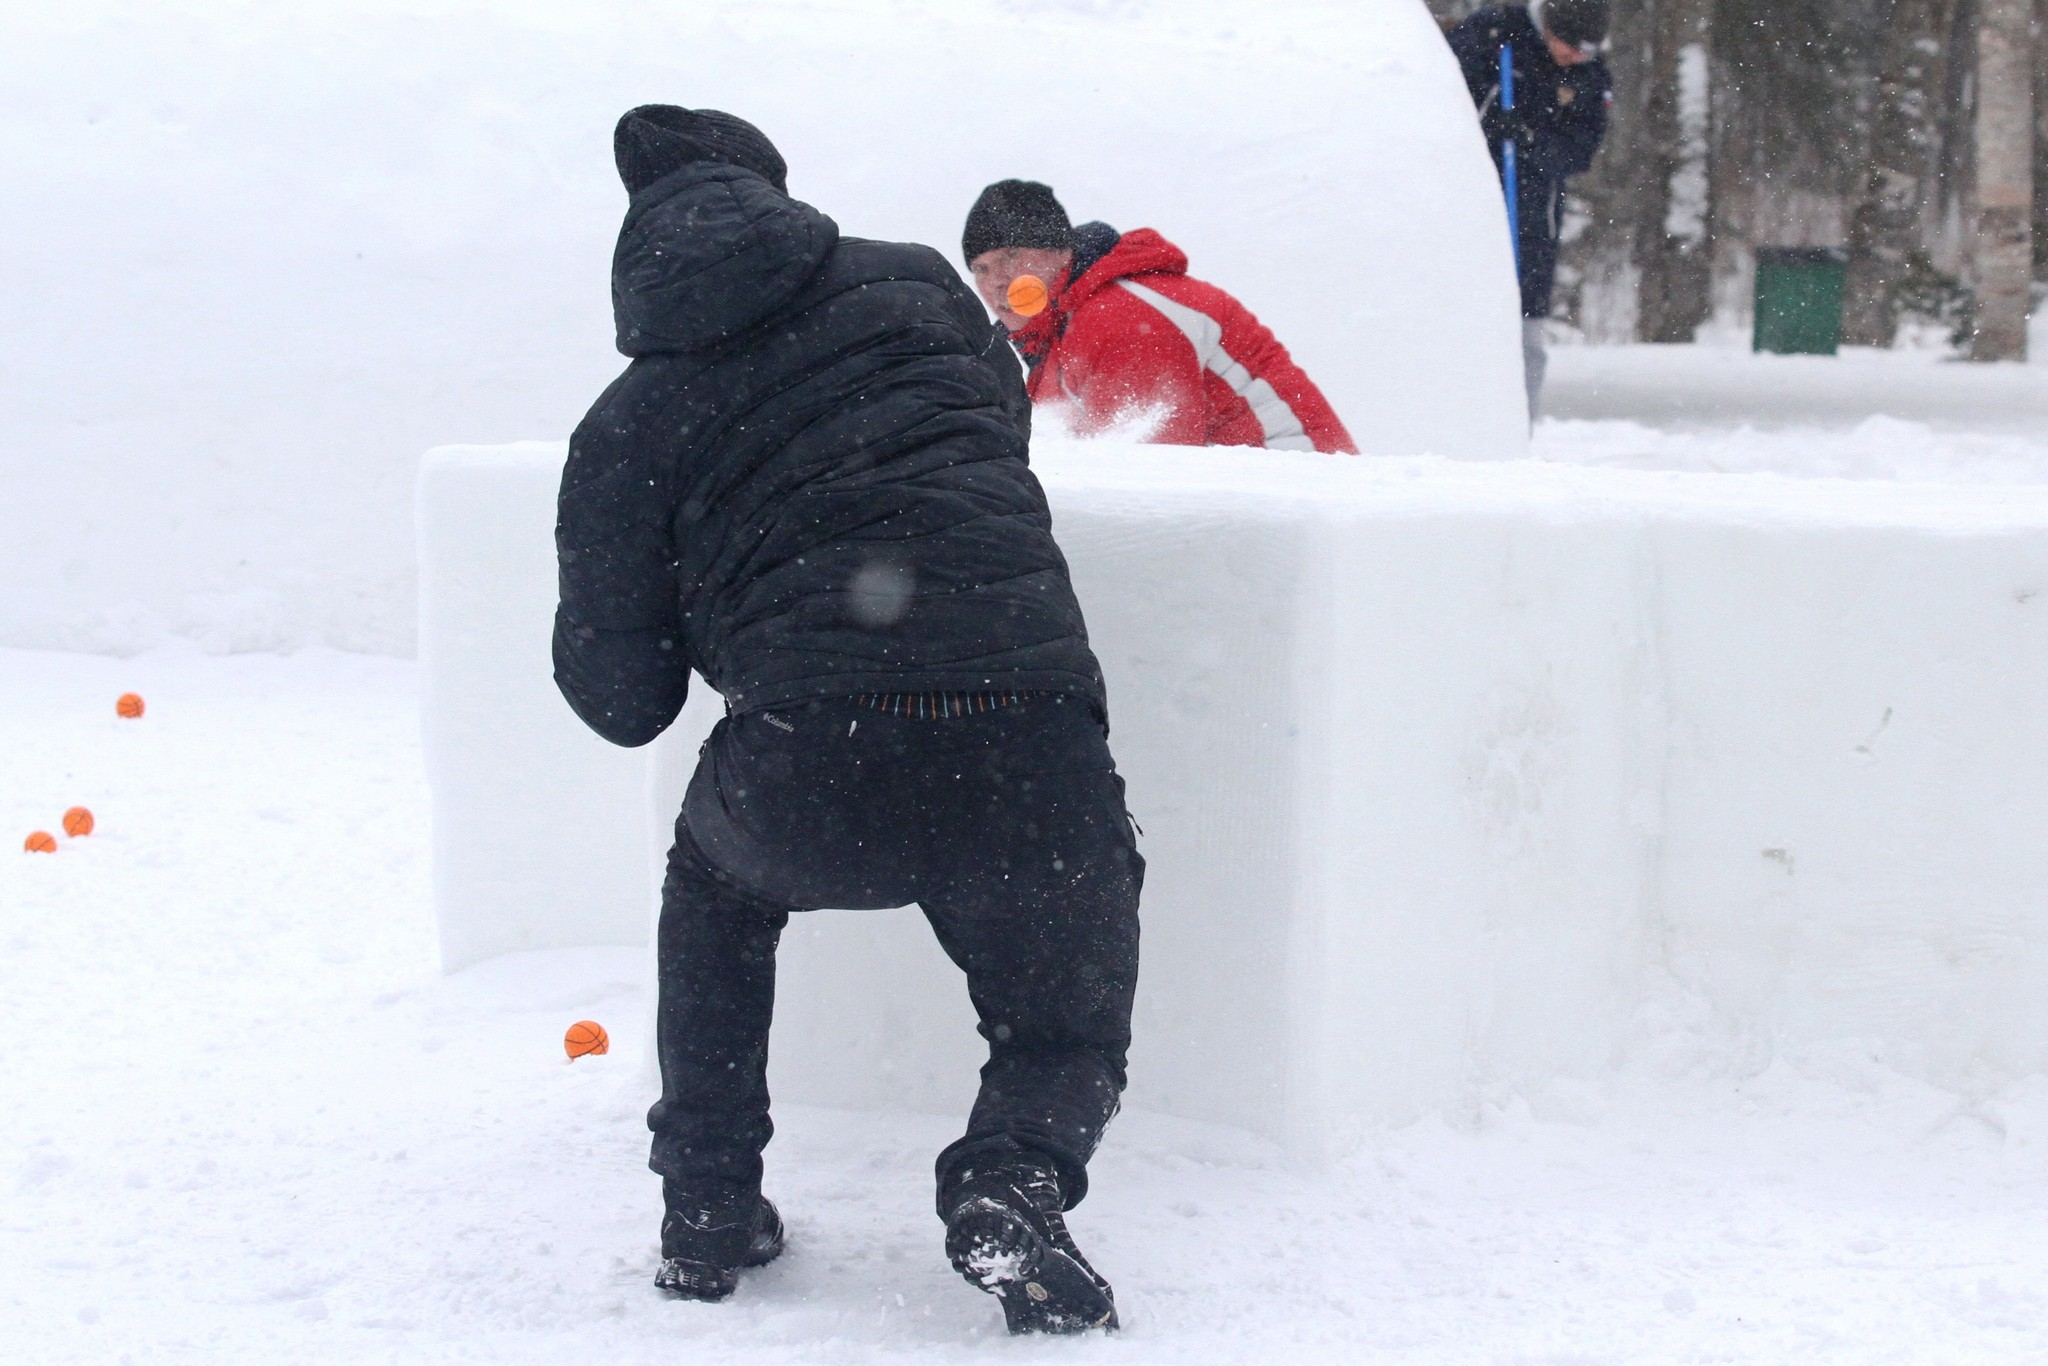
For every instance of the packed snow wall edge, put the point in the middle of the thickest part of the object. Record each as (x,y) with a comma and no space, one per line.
(1444,771)
(538,835)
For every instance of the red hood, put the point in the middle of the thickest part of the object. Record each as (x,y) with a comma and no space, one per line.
(1141,251)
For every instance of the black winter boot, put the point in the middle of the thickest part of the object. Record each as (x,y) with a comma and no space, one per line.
(705,1243)
(1005,1234)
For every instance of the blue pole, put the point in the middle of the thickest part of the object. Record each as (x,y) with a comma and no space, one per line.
(1510,173)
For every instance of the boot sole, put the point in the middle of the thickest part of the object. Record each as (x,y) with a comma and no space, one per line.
(695,1280)
(691,1280)
(1042,1290)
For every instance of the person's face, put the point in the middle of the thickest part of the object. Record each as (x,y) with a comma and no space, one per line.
(993,271)
(1563,53)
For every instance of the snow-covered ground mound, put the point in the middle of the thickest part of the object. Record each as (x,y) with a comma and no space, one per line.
(246,1121)
(1912,416)
(262,255)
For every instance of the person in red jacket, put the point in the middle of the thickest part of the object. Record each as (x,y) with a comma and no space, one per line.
(1128,339)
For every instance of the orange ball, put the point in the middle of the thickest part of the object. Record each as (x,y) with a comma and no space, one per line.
(77,821)
(1027,295)
(586,1036)
(129,704)
(41,842)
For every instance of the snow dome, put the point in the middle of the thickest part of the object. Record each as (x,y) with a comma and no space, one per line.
(252,283)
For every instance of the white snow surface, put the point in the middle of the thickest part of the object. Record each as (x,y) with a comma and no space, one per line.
(261,255)
(1916,417)
(247,1121)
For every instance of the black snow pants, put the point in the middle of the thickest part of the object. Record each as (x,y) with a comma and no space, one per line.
(1006,827)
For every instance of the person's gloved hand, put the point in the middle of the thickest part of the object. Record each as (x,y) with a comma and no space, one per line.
(1509,125)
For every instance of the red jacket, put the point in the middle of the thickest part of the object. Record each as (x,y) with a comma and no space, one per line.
(1137,338)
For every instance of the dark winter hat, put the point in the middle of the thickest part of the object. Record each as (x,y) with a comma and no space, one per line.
(1015,213)
(657,139)
(1582,23)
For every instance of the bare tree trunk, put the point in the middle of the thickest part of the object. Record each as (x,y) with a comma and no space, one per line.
(1597,279)
(1948,226)
(1673,239)
(2041,140)
(1886,226)
(2004,251)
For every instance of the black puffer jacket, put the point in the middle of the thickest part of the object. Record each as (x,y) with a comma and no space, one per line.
(810,482)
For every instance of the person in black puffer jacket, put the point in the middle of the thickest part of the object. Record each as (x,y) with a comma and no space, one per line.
(811,487)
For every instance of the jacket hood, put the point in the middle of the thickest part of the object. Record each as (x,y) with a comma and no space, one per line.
(1142,251)
(708,252)
(657,139)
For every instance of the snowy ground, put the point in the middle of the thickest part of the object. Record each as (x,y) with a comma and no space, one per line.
(243,1118)
(246,1120)
(1915,416)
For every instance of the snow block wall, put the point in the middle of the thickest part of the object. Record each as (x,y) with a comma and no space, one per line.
(539,841)
(1855,856)
(1455,780)
(261,255)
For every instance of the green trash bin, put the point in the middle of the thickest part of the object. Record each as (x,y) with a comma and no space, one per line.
(1799,300)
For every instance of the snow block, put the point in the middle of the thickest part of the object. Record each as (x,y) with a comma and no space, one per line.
(1858,767)
(539,836)
(1386,822)
(1455,780)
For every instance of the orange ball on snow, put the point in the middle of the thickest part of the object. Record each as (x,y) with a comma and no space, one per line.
(129,704)
(77,821)
(1027,295)
(41,842)
(586,1036)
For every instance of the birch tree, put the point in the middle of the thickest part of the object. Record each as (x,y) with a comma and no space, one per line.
(1886,225)
(2041,139)
(2003,253)
(1673,238)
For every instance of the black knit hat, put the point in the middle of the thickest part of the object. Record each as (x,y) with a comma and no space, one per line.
(1582,23)
(658,139)
(1015,213)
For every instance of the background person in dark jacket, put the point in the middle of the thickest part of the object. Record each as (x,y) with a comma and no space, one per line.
(1562,91)
(810,486)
